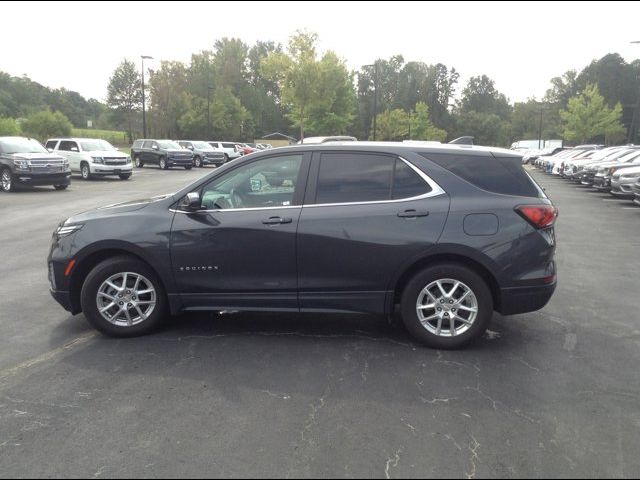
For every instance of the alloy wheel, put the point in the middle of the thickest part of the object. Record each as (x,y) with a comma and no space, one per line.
(126,299)
(6,180)
(85,172)
(447,307)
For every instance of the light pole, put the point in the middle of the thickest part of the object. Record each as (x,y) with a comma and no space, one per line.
(375,96)
(209,88)
(144,113)
(632,128)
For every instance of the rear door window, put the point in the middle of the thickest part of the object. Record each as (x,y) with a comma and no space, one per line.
(51,144)
(495,173)
(351,178)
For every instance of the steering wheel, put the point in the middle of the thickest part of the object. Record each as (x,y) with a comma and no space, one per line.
(236,199)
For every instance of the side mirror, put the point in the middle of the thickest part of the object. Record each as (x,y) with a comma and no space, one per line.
(190,147)
(191,202)
(155,147)
(74,149)
(50,150)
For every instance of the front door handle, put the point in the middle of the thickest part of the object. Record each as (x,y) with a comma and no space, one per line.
(413,213)
(276,220)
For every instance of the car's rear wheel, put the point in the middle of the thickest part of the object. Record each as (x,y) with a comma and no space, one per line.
(6,180)
(61,187)
(138,162)
(163,163)
(123,297)
(447,306)
(85,171)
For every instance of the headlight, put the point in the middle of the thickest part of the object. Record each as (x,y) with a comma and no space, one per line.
(128,159)
(613,170)
(21,164)
(98,160)
(66,230)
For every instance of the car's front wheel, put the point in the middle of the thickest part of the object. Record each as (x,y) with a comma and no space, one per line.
(123,297)
(447,306)
(197,162)
(125,176)
(163,163)
(6,181)
(138,162)
(61,187)
(85,171)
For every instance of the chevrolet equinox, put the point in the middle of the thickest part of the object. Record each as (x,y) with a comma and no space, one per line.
(446,234)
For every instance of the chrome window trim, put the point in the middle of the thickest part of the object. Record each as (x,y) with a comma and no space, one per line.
(436,190)
(226,210)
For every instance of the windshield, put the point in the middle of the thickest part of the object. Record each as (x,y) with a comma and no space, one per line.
(96,146)
(21,145)
(202,146)
(169,145)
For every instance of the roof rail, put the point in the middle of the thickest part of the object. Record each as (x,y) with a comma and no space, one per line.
(466,140)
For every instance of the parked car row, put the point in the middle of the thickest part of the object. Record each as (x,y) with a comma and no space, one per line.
(170,153)
(613,169)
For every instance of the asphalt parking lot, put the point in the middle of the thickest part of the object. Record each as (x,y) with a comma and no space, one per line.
(549,394)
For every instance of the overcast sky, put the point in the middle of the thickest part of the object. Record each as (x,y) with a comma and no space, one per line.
(521,45)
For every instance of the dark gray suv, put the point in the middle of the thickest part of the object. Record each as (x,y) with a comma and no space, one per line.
(445,234)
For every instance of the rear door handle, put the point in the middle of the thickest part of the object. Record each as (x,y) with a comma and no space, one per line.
(413,213)
(276,220)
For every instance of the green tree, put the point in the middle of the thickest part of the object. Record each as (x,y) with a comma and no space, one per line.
(422,128)
(229,118)
(296,74)
(480,95)
(486,128)
(167,86)
(392,125)
(46,124)
(588,117)
(9,127)
(527,117)
(124,93)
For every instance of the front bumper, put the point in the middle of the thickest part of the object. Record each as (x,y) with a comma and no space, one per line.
(180,162)
(621,189)
(64,299)
(518,300)
(32,179)
(111,169)
(213,161)
(602,184)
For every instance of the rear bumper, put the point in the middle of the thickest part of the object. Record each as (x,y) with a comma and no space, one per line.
(42,179)
(525,299)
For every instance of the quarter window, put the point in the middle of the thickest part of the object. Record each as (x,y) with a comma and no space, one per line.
(407,183)
(271,182)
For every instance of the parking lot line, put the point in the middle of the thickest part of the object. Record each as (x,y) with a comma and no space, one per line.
(614,200)
(631,208)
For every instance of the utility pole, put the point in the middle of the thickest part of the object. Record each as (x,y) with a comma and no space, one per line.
(209,88)
(375,98)
(634,119)
(144,113)
(540,130)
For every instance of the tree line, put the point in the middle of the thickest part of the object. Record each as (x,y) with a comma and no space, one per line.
(240,92)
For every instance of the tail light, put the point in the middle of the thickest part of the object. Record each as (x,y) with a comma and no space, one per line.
(539,216)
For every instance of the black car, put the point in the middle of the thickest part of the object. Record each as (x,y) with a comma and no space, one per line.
(164,153)
(25,162)
(446,234)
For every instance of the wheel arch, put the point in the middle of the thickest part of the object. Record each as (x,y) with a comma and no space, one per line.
(86,262)
(480,266)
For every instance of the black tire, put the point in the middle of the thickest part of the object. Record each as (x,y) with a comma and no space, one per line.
(453,271)
(139,163)
(125,176)
(85,171)
(61,187)
(197,162)
(226,158)
(100,274)
(162,163)
(188,167)
(6,181)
